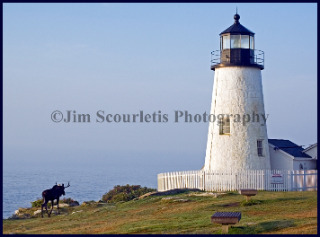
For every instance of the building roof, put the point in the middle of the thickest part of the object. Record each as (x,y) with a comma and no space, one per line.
(289,147)
(237,28)
(310,147)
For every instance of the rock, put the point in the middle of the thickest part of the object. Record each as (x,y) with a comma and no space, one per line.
(202,194)
(20,214)
(76,212)
(215,195)
(37,212)
(63,205)
(24,216)
(147,195)
(167,198)
(101,203)
(73,204)
(14,216)
(182,200)
(88,203)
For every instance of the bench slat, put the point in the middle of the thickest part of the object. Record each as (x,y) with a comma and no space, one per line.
(226,217)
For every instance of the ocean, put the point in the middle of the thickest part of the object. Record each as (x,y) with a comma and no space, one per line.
(22,185)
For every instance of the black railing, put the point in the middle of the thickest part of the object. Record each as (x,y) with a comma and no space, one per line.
(257,58)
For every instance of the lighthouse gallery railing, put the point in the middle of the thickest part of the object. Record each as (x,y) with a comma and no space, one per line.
(271,180)
(258,57)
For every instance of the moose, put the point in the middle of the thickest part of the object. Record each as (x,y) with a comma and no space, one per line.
(50,195)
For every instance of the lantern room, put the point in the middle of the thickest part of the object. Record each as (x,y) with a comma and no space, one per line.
(237,48)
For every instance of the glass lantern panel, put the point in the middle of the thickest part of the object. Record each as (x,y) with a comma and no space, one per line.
(235,41)
(251,42)
(226,41)
(244,41)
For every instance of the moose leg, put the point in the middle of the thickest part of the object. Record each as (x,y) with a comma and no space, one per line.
(51,208)
(58,205)
(44,204)
(42,209)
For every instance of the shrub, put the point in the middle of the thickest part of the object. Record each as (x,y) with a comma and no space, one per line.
(37,203)
(125,193)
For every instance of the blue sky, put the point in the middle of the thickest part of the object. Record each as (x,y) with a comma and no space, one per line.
(123,58)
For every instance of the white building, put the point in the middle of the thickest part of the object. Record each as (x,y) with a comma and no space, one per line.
(312,151)
(286,155)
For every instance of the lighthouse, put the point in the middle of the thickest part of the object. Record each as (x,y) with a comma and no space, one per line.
(238,138)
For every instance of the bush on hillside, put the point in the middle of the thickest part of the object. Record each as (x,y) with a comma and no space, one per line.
(37,203)
(125,193)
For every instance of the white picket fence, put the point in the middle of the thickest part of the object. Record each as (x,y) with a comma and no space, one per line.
(271,180)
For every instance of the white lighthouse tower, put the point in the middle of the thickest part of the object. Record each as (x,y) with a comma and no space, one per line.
(236,143)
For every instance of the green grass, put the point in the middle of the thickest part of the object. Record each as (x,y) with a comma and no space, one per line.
(266,213)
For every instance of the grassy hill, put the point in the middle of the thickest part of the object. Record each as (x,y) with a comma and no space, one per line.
(184,213)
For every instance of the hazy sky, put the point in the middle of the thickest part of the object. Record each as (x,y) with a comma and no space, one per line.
(123,58)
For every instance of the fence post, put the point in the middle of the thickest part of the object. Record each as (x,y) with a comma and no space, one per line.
(304,188)
(291,181)
(204,180)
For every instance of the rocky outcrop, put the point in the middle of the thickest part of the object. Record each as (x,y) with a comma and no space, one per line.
(20,214)
(25,213)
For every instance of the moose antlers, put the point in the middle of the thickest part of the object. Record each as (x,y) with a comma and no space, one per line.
(63,185)
(67,185)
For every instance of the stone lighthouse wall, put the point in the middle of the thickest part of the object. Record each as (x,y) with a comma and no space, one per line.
(237,90)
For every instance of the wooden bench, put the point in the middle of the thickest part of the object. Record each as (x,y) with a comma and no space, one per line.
(248,193)
(226,219)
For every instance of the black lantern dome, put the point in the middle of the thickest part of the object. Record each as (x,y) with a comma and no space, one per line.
(237,28)
(237,48)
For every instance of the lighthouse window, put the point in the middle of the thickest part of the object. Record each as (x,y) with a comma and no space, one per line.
(224,125)
(235,41)
(245,41)
(260,147)
(226,41)
(251,43)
